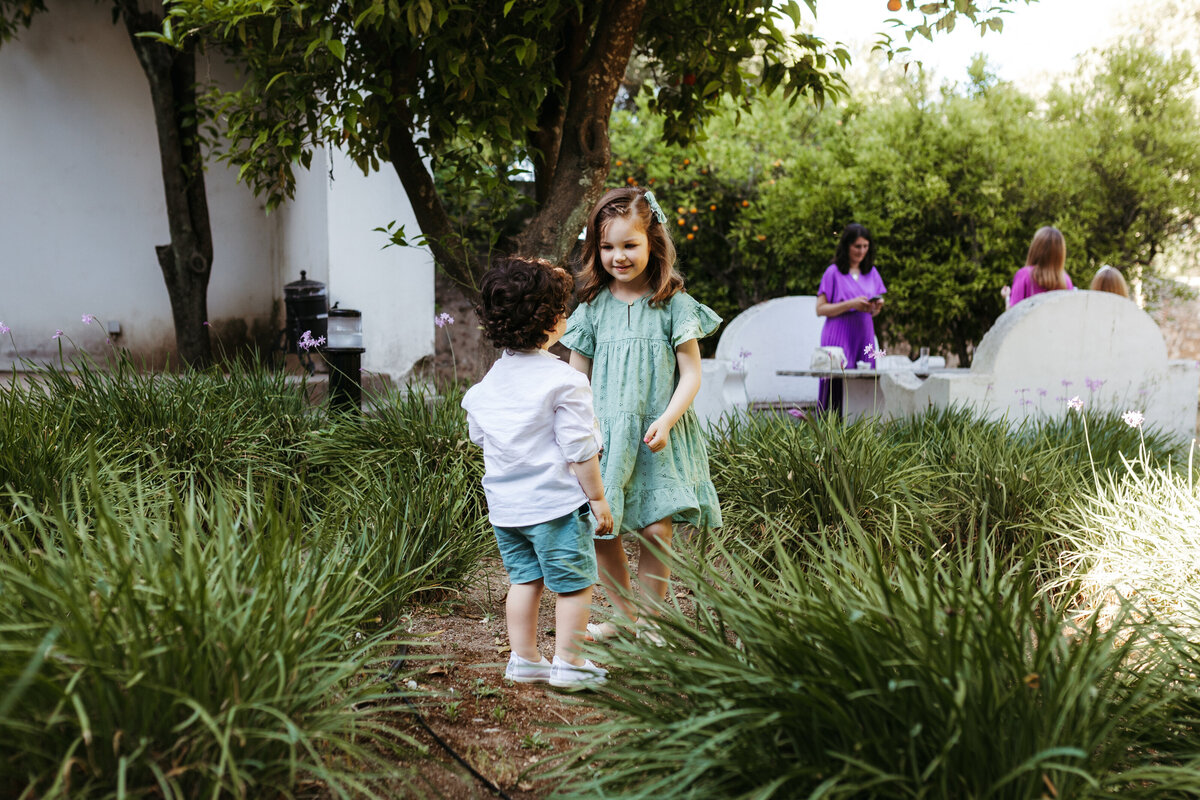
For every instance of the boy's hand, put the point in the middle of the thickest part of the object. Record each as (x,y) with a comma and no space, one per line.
(657,435)
(602,514)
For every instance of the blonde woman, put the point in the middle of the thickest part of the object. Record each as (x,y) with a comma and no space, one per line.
(1110,279)
(1043,270)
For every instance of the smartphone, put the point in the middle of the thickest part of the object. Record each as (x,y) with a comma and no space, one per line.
(875,299)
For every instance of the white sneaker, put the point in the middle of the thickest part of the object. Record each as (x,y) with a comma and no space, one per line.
(522,670)
(566,675)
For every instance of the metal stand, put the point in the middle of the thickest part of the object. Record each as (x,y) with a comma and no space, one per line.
(345,377)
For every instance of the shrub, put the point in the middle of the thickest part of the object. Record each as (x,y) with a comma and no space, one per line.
(834,673)
(205,651)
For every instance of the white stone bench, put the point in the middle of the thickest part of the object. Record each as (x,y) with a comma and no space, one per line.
(778,334)
(1055,346)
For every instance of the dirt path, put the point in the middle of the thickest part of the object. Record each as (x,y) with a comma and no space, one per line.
(504,730)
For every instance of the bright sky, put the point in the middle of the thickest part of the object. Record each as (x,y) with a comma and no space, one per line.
(1038,39)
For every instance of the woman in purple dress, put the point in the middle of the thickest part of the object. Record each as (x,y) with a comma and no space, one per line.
(849,297)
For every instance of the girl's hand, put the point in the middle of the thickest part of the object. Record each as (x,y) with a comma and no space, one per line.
(657,435)
(860,304)
(602,514)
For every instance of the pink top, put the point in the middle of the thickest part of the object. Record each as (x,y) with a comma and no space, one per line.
(1023,285)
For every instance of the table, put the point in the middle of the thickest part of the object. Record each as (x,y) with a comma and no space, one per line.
(860,387)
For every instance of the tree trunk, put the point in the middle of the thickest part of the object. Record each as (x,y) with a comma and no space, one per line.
(186,262)
(447,246)
(577,179)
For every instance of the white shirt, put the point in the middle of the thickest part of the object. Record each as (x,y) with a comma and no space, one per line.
(532,415)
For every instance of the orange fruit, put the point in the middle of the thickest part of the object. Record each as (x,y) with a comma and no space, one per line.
(680,209)
(695,227)
(893,5)
(713,207)
(681,221)
(618,163)
(693,209)
(687,161)
(691,236)
(745,204)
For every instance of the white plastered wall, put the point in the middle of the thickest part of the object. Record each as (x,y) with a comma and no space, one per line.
(82,209)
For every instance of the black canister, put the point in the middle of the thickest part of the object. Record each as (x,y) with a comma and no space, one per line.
(307,306)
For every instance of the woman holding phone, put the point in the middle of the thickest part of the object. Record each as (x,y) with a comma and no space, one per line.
(849,297)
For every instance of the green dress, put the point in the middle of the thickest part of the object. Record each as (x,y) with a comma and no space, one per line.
(634,373)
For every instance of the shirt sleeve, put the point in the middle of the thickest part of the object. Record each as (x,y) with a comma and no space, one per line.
(581,333)
(880,287)
(1020,287)
(575,427)
(691,319)
(1069,284)
(473,430)
(828,285)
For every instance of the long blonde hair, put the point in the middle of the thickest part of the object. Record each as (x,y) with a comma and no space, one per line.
(1047,254)
(1110,279)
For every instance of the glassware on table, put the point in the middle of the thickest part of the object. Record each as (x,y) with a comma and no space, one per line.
(923,359)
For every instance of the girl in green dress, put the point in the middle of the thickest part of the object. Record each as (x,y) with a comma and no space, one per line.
(635,335)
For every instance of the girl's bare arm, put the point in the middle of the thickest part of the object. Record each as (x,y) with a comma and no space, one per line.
(688,357)
(581,363)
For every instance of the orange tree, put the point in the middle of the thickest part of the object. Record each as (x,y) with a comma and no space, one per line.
(952,185)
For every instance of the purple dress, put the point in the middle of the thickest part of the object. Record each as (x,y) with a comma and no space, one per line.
(1023,285)
(851,331)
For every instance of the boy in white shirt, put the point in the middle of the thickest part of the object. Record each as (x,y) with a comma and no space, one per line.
(532,415)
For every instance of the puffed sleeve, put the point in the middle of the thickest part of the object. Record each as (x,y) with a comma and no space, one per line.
(691,319)
(581,333)
(575,427)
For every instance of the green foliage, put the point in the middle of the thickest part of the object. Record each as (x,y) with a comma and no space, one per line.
(196,648)
(200,574)
(952,187)
(945,473)
(837,673)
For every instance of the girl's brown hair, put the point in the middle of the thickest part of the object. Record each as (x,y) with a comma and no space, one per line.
(1047,254)
(1110,279)
(665,282)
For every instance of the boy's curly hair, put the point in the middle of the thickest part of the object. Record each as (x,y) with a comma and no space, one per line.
(520,299)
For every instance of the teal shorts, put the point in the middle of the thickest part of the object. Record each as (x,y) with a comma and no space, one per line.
(560,551)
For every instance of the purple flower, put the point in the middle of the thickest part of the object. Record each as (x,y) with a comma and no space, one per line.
(1026,402)
(1075,404)
(739,363)
(205,324)
(88,319)
(1060,399)
(1094,384)
(1042,393)
(57,333)
(306,341)
(797,413)
(4,329)
(1065,382)
(443,319)
(873,352)
(1133,419)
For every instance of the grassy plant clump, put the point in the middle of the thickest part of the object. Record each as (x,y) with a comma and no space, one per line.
(405,485)
(205,651)
(1136,539)
(832,673)
(950,468)
(207,423)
